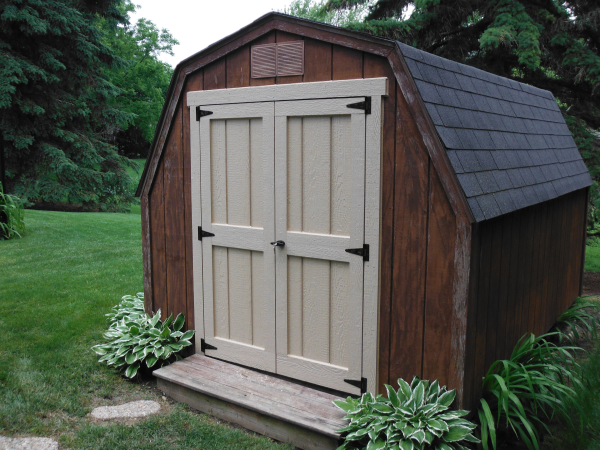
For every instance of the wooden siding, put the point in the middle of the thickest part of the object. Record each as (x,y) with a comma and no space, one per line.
(526,270)
(418,223)
(170,264)
(418,256)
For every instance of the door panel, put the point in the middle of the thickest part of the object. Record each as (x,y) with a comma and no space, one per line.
(320,157)
(237,152)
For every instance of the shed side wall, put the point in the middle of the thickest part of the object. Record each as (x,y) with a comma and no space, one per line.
(526,271)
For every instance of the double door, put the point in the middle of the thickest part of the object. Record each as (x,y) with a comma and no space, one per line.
(282,200)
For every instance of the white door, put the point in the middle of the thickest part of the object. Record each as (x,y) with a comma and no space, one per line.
(319,214)
(238,262)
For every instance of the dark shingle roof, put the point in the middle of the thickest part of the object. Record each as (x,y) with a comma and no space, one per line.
(507,141)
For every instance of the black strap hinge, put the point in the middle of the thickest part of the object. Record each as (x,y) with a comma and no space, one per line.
(366,105)
(361,384)
(202,233)
(204,346)
(202,113)
(364,251)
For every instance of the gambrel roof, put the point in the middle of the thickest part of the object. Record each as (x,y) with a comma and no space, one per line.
(498,145)
(507,141)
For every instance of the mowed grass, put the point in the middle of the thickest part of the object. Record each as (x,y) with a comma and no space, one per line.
(56,284)
(592,258)
(136,175)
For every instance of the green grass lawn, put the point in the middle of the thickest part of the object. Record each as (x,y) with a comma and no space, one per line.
(56,284)
(136,174)
(592,258)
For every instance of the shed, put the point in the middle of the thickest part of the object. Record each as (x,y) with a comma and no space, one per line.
(332,210)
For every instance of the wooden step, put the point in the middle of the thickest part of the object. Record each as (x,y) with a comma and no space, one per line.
(280,409)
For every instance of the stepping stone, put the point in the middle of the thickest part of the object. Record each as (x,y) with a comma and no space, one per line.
(35,443)
(131,410)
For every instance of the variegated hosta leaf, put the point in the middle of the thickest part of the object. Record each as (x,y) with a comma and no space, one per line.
(414,417)
(134,337)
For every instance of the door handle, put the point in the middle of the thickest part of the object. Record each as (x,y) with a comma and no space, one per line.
(278,244)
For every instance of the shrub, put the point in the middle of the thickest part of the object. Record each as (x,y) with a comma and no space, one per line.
(578,319)
(12,216)
(522,394)
(136,338)
(415,417)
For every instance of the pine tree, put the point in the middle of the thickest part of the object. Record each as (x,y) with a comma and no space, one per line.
(55,103)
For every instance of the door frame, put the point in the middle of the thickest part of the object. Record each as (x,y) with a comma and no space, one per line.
(376,88)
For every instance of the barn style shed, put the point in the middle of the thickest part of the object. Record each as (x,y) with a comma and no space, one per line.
(332,211)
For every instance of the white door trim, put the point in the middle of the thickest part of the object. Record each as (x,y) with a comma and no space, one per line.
(298,91)
(376,88)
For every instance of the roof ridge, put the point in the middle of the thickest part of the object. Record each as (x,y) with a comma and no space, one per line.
(489,77)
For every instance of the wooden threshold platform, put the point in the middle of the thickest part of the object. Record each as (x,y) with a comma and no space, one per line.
(280,409)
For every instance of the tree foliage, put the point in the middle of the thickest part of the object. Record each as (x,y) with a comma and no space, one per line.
(143,79)
(54,102)
(545,43)
(73,75)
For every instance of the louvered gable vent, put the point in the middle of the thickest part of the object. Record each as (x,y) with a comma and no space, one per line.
(285,59)
(264,60)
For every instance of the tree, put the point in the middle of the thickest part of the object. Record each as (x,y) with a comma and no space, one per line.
(143,80)
(56,104)
(545,43)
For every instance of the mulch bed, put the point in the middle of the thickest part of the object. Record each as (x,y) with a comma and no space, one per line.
(591,283)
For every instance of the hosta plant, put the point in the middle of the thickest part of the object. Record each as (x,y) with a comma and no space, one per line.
(136,339)
(415,417)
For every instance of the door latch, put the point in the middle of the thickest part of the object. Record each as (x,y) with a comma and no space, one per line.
(278,244)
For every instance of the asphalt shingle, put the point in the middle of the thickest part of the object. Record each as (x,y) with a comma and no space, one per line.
(507,141)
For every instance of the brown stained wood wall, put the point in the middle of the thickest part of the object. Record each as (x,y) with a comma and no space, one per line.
(526,271)
(418,225)
(417,262)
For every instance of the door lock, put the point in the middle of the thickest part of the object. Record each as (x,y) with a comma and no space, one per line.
(278,244)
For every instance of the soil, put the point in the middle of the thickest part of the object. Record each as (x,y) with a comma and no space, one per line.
(591,283)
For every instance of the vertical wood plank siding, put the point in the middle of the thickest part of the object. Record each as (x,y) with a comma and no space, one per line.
(525,268)
(409,200)
(194,82)
(172,166)
(158,242)
(522,269)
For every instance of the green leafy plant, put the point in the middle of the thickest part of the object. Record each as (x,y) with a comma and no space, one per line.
(12,216)
(522,394)
(578,320)
(416,417)
(135,338)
